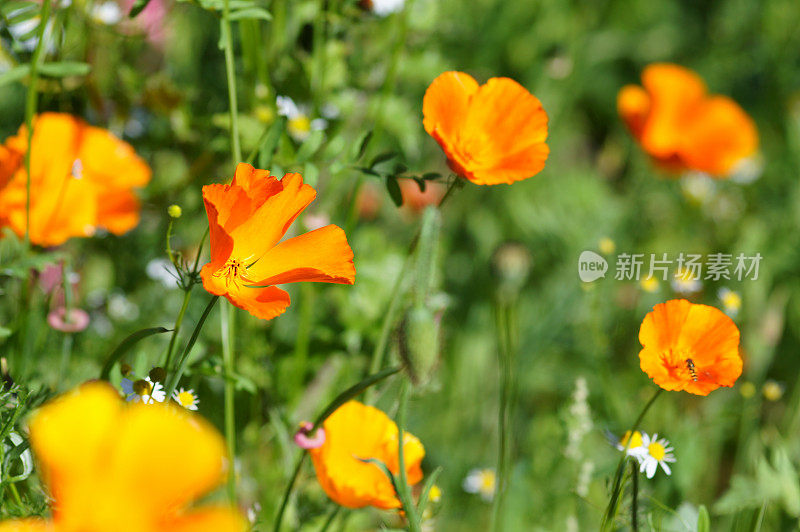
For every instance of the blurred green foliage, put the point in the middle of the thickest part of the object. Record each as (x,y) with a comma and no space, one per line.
(736,454)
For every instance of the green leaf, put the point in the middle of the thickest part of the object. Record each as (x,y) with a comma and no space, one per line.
(394,190)
(138,7)
(426,490)
(310,146)
(251,13)
(65,69)
(382,157)
(431,175)
(363,144)
(420,183)
(703,520)
(125,345)
(14,74)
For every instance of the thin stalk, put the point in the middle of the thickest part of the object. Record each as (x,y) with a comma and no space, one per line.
(228,320)
(174,377)
(30,110)
(398,291)
(505,355)
(329,521)
(288,491)
(178,321)
(301,345)
(613,503)
(635,497)
(66,352)
(403,489)
(227,43)
(318,73)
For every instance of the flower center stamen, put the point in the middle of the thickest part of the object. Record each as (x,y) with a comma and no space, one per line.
(233,271)
(656,450)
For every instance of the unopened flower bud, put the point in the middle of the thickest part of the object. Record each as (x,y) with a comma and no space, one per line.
(158,374)
(174,211)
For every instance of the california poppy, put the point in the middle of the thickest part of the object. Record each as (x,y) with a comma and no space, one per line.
(690,347)
(492,133)
(355,434)
(82,180)
(127,468)
(682,127)
(247,219)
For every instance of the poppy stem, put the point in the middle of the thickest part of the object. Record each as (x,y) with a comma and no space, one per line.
(175,376)
(613,503)
(506,348)
(634,496)
(30,111)
(403,489)
(230,71)
(178,322)
(228,321)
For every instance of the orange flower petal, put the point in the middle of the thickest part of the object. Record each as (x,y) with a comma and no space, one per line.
(26,525)
(719,137)
(677,332)
(207,520)
(445,105)
(493,133)
(263,303)
(633,105)
(322,255)
(354,433)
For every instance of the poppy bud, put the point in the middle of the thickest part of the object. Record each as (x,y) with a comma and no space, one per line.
(174,211)
(419,344)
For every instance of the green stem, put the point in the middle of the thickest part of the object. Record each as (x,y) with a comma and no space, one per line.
(318,79)
(30,111)
(613,503)
(404,490)
(635,496)
(228,321)
(178,321)
(505,340)
(331,517)
(288,491)
(398,290)
(227,43)
(307,294)
(172,381)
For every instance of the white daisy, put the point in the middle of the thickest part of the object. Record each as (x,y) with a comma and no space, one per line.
(635,442)
(186,398)
(299,124)
(143,390)
(654,451)
(482,482)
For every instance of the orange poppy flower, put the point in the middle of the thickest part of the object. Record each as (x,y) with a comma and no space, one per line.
(126,467)
(682,127)
(690,347)
(82,179)
(356,432)
(493,133)
(247,219)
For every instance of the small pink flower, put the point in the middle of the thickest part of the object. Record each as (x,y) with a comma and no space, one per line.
(50,278)
(77,320)
(304,441)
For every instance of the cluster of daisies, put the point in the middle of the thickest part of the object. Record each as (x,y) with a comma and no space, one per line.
(649,451)
(150,391)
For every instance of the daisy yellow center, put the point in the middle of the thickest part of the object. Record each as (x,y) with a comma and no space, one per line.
(234,271)
(636,441)
(732,300)
(656,450)
(186,398)
(300,124)
(487,481)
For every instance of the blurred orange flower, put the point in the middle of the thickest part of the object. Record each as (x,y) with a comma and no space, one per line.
(356,432)
(690,347)
(493,133)
(417,200)
(682,127)
(81,180)
(247,219)
(127,468)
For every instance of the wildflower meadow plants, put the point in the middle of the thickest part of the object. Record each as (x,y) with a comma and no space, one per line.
(310,265)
